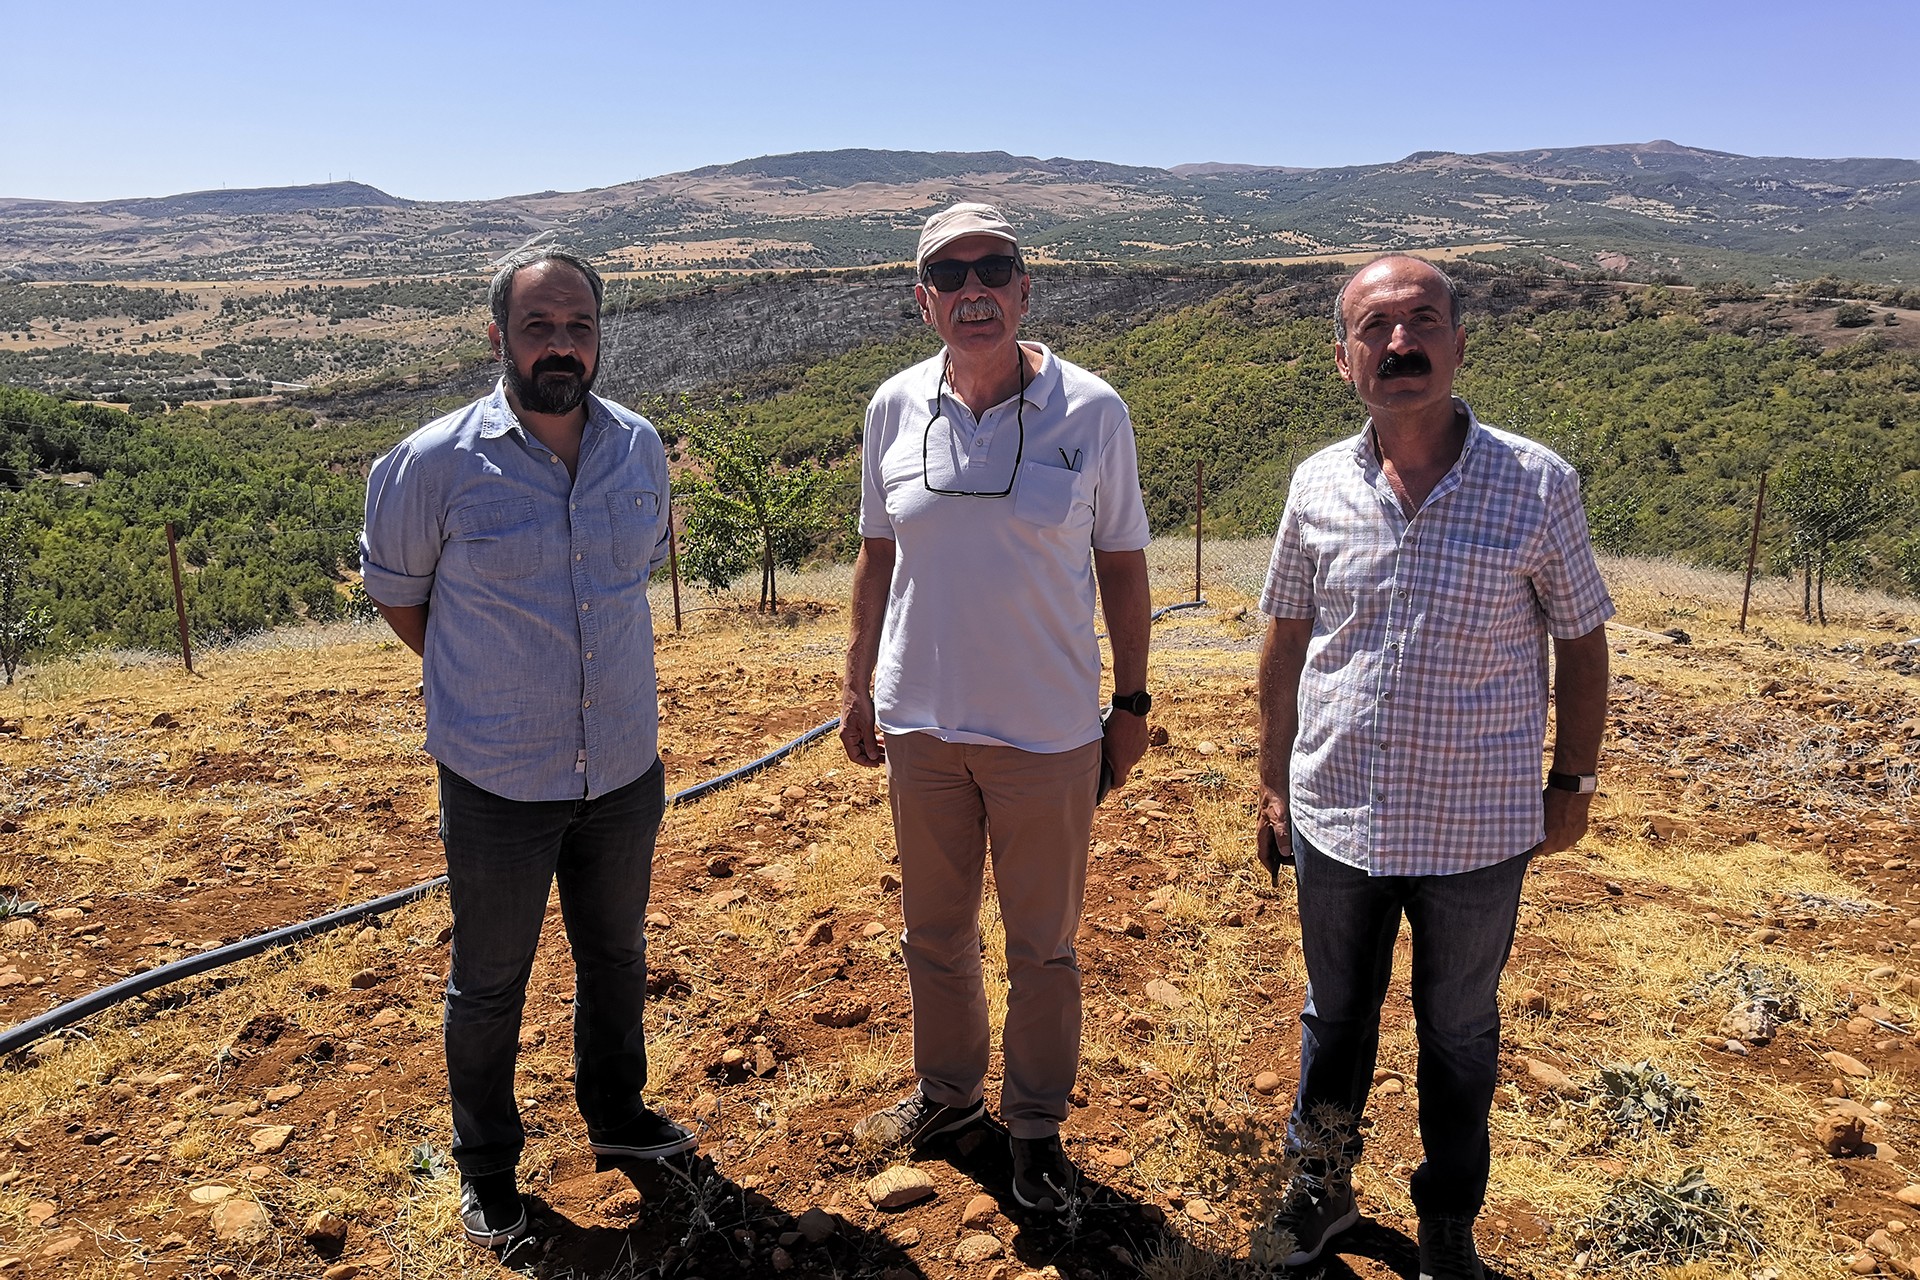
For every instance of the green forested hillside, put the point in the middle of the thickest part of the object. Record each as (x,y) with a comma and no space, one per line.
(1670,418)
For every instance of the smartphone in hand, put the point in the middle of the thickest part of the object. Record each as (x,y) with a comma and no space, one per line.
(1271,852)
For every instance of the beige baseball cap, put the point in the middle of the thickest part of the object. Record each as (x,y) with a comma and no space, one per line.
(967,218)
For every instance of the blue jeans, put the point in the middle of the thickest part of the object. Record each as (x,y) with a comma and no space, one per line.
(502,856)
(1462,933)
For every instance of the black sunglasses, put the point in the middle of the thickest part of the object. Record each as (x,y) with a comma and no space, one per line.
(949,274)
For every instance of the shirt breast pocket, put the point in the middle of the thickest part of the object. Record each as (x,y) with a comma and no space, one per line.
(635,514)
(1481,591)
(1053,497)
(502,539)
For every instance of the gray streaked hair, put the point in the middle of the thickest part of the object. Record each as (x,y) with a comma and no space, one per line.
(1340,299)
(500,291)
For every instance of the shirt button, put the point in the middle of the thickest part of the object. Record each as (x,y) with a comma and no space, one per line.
(589,655)
(639,502)
(573,506)
(587,703)
(585,607)
(579,555)
(553,457)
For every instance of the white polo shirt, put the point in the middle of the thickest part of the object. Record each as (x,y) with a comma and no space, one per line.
(989,634)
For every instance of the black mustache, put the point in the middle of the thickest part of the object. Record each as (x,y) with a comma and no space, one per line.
(1410,365)
(559,364)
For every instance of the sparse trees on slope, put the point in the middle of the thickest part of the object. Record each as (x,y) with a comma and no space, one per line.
(744,508)
(23,625)
(1829,498)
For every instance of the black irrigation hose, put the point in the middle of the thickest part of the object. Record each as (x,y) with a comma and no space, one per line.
(22,1034)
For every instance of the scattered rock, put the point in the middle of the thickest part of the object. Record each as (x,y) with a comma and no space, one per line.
(720,868)
(1113,1157)
(173,1240)
(285,1092)
(1753,1023)
(60,1248)
(326,1232)
(1157,735)
(623,1205)
(1132,928)
(1552,1078)
(1205,748)
(240,1222)
(899,1187)
(211,1193)
(1535,1003)
(706,1107)
(41,1212)
(1162,992)
(843,1013)
(978,1248)
(340,1271)
(980,1210)
(1909,1194)
(816,1225)
(1846,1065)
(889,882)
(818,934)
(269,1138)
(659,920)
(1391,1086)
(365,980)
(1268,1083)
(1201,1210)
(1767,937)
(228,1110)
(1840,1134)
(872,929)
(780,1259)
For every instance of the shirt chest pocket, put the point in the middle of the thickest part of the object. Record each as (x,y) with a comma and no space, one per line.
(636,527)
(501,539)
(1053,497)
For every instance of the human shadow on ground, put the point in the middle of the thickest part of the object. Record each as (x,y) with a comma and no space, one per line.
(660,1219)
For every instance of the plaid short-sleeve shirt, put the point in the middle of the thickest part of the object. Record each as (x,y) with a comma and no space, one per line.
(1423,703)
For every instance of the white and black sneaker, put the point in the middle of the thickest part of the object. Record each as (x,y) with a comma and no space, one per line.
(491,1212)
(915,1120)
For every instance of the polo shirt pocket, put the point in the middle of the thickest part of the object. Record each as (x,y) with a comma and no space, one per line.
(635,514)
(502,539)
(1052,497)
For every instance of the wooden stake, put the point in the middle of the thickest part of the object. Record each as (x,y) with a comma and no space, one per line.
(673,567)
(1199,506)
(1753,551)
(179,600)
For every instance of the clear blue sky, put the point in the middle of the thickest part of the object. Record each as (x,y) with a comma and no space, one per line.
(437,100)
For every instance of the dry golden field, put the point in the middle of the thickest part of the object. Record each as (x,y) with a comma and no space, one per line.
(1751,854)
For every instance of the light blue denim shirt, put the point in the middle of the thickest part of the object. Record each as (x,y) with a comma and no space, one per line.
(539,660)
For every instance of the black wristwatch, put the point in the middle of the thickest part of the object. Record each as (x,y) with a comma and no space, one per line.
(1134,703)
(1580,783)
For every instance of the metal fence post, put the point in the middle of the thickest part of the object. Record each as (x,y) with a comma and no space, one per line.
(1753,551)
(1199,506)
(673,566)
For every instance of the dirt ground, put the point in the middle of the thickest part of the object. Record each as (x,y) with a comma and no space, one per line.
(286,1117)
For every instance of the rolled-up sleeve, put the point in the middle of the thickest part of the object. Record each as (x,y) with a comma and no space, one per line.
(400,545)
(874,521)
(1573,596)
(1119,512)
(1289,588)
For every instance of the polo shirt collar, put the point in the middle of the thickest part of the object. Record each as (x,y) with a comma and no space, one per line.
(1040,391)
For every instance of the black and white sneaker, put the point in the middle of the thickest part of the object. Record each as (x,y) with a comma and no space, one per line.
(915,1120)
(490,1210)
(648,1136)
(1311,1214)
(1446,1248)
(1043,1177)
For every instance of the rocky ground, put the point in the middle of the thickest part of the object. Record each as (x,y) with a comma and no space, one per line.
(1721,977)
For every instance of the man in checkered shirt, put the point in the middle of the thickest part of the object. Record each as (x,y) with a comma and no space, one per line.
(1420,571)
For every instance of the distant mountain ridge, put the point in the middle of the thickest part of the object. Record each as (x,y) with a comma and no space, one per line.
(1652,209)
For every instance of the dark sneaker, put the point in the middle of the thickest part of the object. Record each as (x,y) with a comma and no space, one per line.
(915,1120)
(1446,1249)
(648,1136)
(490,1210)
(1313,1212)
(1043,1178)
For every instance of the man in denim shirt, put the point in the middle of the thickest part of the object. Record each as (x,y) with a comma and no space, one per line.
(509,544)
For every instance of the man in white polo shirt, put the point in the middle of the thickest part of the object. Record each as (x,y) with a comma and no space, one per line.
(999,483)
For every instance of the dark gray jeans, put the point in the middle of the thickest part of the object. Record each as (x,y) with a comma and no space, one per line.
(1462,933)
(502,857)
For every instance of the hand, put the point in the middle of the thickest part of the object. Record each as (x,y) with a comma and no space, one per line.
(1123,742)
(858,732)
(1566,819)
(1273,841)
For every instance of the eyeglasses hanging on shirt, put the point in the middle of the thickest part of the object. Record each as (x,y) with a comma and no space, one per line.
(1019,421)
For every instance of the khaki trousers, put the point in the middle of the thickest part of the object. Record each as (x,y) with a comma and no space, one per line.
(952,803)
